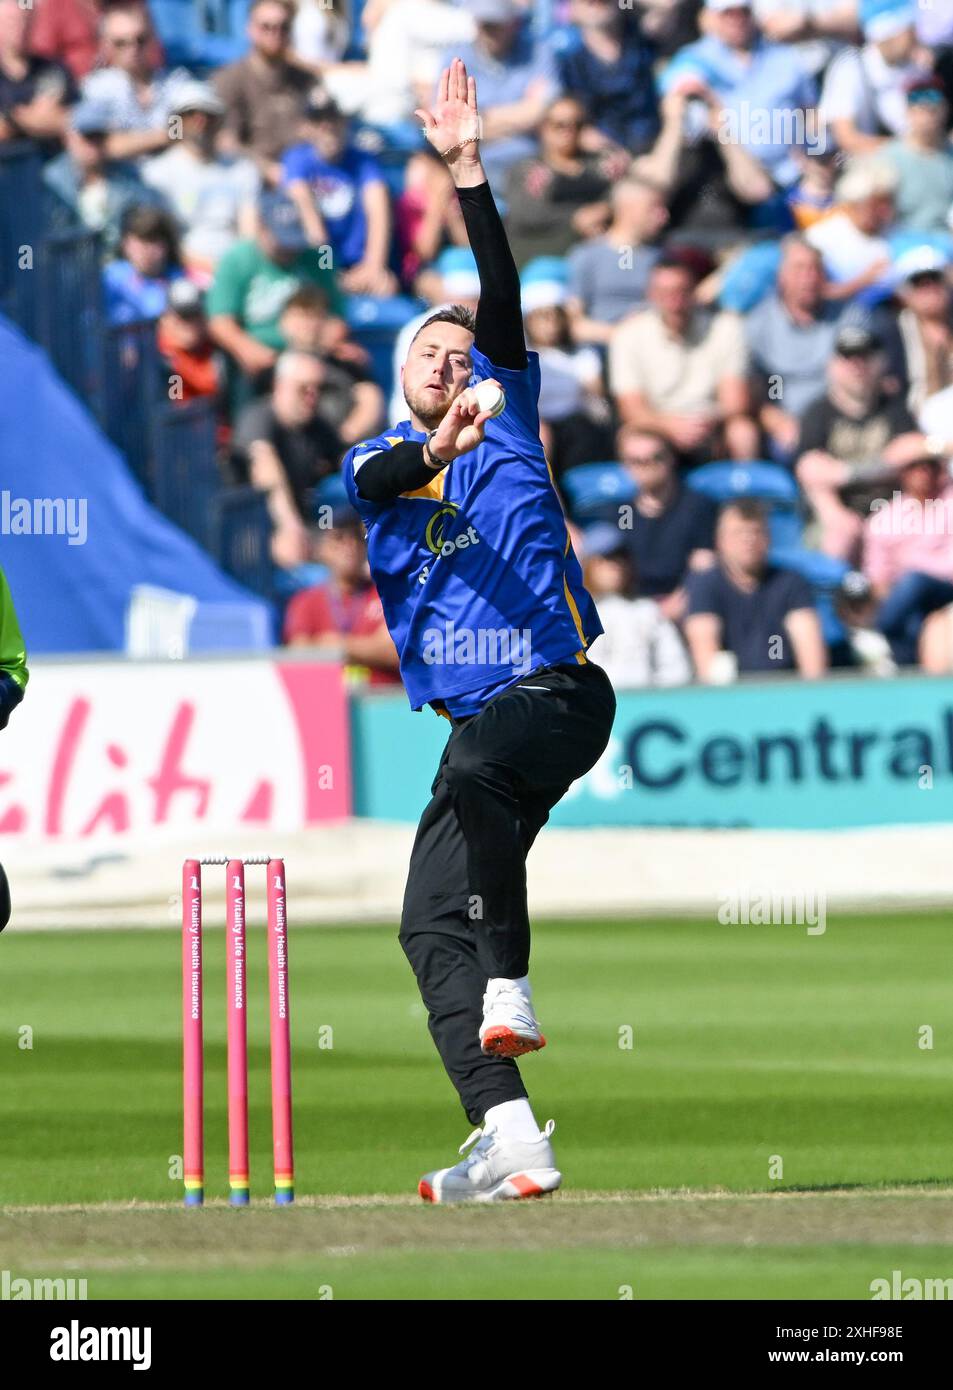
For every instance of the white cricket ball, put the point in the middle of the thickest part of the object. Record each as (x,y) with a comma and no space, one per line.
(490,397)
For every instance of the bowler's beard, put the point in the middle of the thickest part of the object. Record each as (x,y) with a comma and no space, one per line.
(427,411)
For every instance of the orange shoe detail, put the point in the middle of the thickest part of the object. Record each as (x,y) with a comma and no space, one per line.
(425,1190)
(525,1186)
(501,1041)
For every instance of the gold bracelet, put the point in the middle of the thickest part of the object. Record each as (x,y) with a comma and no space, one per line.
(455,149)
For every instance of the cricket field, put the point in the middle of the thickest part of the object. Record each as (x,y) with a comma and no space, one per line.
(742,1112)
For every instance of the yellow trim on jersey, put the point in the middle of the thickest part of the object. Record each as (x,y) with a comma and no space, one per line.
(580,655)
(433,491)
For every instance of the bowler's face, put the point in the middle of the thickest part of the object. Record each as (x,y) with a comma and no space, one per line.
(437,369)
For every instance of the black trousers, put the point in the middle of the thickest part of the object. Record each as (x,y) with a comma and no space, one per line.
(465,917)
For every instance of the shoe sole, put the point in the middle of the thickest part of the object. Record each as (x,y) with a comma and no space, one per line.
(501,1041)
(532,1182)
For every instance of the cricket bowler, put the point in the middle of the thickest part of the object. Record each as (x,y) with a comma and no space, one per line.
(483,596)
(13,678)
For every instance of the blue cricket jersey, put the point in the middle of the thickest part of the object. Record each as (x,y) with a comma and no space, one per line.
(475,570)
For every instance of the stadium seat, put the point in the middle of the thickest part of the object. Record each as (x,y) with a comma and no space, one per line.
(590,487)
(201,35)
(766,482)
(824,573)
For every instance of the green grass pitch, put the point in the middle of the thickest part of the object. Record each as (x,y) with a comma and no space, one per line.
(684,1059)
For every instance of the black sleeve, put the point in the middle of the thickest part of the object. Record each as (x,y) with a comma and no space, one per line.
(499,319)
(386,475)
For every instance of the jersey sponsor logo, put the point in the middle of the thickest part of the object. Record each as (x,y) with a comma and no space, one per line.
(437,541)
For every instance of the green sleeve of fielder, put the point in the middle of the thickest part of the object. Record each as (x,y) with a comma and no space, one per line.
(13,669)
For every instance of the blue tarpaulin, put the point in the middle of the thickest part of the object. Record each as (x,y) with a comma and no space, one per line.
(59,473)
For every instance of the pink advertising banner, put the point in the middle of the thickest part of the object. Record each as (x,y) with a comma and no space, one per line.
(131,749)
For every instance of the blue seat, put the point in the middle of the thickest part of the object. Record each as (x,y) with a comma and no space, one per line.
(764,482)
(824,573)
(205,35)
(375,323)
(591,487)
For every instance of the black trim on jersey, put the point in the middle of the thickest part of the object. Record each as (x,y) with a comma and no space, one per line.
(386,475)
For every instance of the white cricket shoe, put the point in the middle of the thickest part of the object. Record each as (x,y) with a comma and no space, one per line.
(509,1027)
(496,1170)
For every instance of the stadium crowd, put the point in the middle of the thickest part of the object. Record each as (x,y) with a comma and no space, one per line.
(734,227)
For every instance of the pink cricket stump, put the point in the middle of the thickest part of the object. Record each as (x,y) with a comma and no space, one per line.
(236,972)
(193,1146)
(280,1033)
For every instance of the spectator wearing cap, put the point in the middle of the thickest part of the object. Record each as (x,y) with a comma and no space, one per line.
(609,274)
(212,194)
(256,278)
(681,372)
(922,159)
(191,359)
(747,74)
(559,196)
(453,279)
(342,198)
(610,71)
(710,183)
(908,551)
(575,418)
(791,336)
(851,240)
(516,78)
(34,93)
(140,97)
(746,615)
(639,646)
(89,189)
(925,324)
(864,101)
(136,285)
(265,93)
(849,441)
(287,450)
(343,614)
(427,214)
(667,529)
(351,402)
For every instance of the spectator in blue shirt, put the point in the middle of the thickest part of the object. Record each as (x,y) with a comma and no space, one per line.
(767,95)
(609,68)
(343,201)
(137,285)
(517,79)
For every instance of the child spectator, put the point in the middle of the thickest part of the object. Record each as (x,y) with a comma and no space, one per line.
(192,359)
(137,284)
(342,199)
(923,159)
(851,240)
(639,647)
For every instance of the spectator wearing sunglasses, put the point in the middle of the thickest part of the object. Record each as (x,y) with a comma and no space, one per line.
(923,160)
(561,196)
(138,96)
(925,324)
